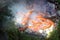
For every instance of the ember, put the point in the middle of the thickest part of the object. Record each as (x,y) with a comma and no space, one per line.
(38,24)
(31,16)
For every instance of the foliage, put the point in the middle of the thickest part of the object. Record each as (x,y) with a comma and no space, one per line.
(55,35)
(4,16)
(58,1)
(14,34)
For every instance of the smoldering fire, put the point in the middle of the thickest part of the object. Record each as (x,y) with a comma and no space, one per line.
(30,14)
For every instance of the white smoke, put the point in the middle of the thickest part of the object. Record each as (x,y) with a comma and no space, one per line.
(38,6)
(22,7)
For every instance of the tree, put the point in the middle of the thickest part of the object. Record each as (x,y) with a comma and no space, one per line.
(4,14)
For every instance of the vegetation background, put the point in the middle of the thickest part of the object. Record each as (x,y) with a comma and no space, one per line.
(8,30)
